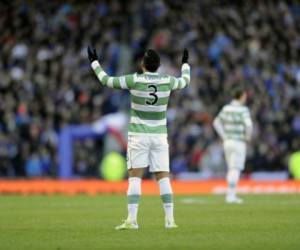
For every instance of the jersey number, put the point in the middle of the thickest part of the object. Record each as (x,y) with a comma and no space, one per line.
(153,93)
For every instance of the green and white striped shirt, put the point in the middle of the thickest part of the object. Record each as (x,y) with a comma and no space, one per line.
(234,122)
(150,94)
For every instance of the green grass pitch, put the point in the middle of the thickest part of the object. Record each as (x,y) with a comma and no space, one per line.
(205,222)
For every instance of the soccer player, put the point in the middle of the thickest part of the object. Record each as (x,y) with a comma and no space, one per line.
(234,125)
(147,135)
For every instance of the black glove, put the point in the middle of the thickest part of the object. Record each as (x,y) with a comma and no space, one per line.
(92,54)
(185,56)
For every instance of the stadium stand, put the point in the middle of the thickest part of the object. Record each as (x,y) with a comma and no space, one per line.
(46,81)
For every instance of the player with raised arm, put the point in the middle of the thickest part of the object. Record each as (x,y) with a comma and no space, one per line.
(147,135)
(234,125)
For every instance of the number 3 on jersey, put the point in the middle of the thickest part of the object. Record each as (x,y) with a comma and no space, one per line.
(153,93)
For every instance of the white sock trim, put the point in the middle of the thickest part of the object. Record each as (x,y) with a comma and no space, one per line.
(165,186)
(134,186)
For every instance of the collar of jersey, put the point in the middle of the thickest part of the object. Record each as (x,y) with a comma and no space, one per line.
(235,102)
(150,73)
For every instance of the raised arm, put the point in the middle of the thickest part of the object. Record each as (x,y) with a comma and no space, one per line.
(121,82)
(184,80)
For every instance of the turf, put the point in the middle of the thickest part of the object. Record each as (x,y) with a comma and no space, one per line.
(205,222)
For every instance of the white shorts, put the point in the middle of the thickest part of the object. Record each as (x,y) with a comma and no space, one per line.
(235,154)
(148,150)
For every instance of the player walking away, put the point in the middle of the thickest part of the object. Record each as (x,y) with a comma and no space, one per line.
(147,135)
(234,126)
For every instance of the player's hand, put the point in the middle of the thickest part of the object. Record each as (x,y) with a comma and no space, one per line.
(185,56)
(92,54)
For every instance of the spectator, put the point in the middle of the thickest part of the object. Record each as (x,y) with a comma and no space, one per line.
(45,79)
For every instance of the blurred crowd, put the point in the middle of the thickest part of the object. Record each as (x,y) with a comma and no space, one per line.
(46,81)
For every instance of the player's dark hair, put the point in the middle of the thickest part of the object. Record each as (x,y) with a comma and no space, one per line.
(151,60)
(237,91)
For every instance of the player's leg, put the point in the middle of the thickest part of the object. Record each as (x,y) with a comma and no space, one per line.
(134,192)
(232,178)
(137,160)
(166,194)
(159,164)
(133,195)
(233,172)
(235,153)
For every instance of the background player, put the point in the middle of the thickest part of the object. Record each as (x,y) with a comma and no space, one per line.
(234,126)
(147,135)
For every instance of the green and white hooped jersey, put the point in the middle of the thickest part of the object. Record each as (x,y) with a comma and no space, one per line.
(236,122)
(150,94)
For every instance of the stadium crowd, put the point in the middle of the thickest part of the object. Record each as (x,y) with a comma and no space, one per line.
(46,81)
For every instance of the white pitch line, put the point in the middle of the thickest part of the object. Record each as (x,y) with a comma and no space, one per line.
(193,201)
